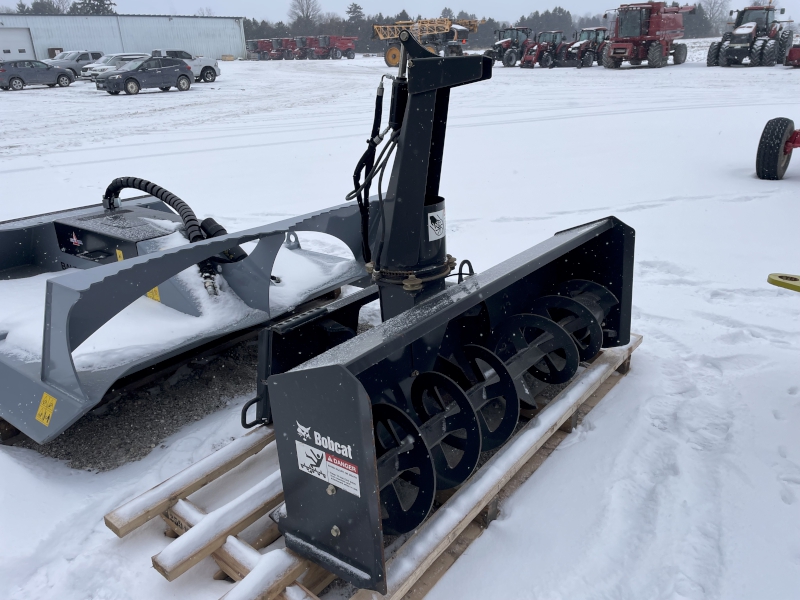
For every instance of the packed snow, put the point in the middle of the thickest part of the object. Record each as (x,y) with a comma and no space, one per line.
(684,482)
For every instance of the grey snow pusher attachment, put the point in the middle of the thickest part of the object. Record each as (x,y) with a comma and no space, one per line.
(369,431)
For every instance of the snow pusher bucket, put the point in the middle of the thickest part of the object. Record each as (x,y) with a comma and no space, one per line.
(369,431)
(187,297)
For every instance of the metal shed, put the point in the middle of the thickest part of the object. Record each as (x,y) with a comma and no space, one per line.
(207,36)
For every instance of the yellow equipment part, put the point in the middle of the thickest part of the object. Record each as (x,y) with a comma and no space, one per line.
(790,282)
(432,48)
(392,56)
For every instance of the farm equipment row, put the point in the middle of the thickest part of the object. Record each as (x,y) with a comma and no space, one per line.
(318,47)
(758,39)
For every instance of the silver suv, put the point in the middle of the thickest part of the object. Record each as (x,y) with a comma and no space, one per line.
(74,60)
(110,62)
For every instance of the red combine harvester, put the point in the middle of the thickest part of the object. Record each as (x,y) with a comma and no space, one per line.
(792,58)
(587,48)
(305,47)
(775,147)
(757,37)
(259,49)
(648,32)
(512,44)
(333,46)
(283,49)
(549,51)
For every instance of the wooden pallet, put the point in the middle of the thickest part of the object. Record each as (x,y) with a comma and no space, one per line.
(412,569)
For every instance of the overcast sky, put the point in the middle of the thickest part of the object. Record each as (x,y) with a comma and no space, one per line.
(275,10)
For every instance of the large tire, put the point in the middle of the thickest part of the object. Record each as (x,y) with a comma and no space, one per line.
(336,53)
(655,56)
(510,58)
(208,75)
(490,54)
(785,42)
(546,61)
(609,62)
(681,52)
(755,53)
(392,56)
(132,87)
(771,161)
(769,55)
(724,61)
(350,54)
(712,60)
(587,60)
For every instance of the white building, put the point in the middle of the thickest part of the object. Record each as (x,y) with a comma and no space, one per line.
(42,36)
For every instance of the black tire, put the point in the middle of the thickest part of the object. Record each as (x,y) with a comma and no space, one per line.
(63,81)
(116,93)
(769,55)
(609,62)
(680,54)
(208,75)
(164,89)
(546,61)
(561,58)
(132,87)
(655,56)
(755,53)
(183,83)
(724,61)
(712,60)
(350,54)
(587,60)
(785,42)
(510,58)
(771,161)
(490,54)
(15,84)
(337,54)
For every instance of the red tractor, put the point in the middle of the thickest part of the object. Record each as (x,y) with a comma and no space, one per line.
(512,44)
(648,32)
(334,46)
(587,48)
(550,50)
(792,58)
(778,140)
(283,49)
(758,38)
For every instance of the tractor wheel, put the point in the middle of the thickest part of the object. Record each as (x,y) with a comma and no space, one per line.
(561,58)
(680,54)
(609,62)
(724,61)
(350,54)
(785,42)
(588,59)
(755,53)
(769,55)
(392,56)
(510,58)
(655,56)
(712,60)
(490,54)
(771,160)
(546,61)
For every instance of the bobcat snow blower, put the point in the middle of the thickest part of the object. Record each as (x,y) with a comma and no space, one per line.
(368,427)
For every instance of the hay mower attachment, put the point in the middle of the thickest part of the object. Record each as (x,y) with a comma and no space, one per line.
(369,431)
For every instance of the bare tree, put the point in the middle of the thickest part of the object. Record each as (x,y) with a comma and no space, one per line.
(204,12)
(304,11)
(717,11)
(63,5)
(7,10)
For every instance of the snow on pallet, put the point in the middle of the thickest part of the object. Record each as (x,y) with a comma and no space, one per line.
(413,568)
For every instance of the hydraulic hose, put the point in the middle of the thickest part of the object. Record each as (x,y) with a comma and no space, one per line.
(111,200)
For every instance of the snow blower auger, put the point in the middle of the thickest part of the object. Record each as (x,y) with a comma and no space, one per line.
(187,297)
(368,432)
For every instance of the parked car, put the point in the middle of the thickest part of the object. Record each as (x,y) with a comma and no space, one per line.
(204,69)
(17,74)
(74,60)
(110,62)
(143,73)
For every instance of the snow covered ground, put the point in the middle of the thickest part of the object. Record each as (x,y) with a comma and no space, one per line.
(683,483)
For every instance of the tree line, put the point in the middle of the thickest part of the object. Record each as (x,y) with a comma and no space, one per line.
(63,7)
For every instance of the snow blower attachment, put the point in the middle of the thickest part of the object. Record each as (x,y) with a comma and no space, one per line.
(369,431)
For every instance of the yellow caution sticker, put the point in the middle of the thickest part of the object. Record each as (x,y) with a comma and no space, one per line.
(119,255)
(154,295)
(46,408)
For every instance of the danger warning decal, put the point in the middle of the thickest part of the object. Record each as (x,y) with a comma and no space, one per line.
(436,225)
(323,465)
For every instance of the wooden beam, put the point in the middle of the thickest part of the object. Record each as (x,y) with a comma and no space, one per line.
(444,527)
(268,580)
(155,501)
(212,530)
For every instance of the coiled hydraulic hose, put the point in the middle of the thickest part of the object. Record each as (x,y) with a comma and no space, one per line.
(111,201)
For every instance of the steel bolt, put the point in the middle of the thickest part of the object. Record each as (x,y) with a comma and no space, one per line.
(331,490)
(335,531)
(414,373)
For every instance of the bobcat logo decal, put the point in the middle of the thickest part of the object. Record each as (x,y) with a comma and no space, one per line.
(303,432)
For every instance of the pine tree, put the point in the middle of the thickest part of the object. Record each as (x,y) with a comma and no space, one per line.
(355,13)
(93,7)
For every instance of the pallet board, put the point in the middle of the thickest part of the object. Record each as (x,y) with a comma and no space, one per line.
(422,559)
